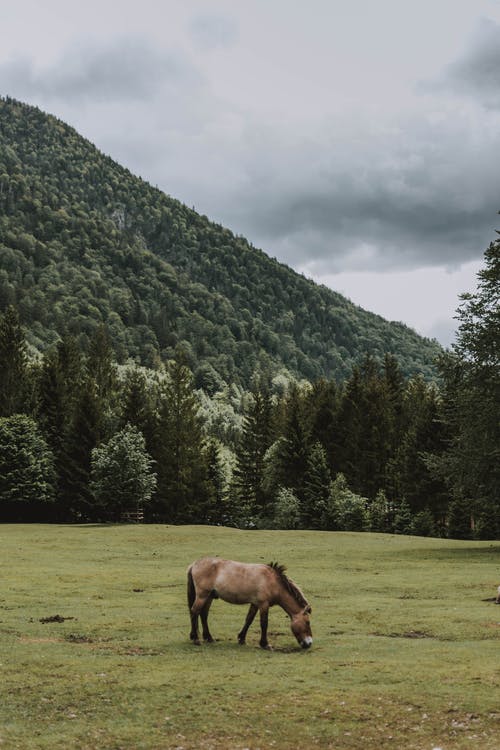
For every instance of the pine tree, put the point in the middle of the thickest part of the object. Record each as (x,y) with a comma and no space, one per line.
(250,452)
(459,519)
(58,393)
(13,366)
(487,522)
(83,435)
(217,510)
(294,449)
(137,405)
(411,475)
(316,488)
(102,369)
(470,465)
(403,518)
(378,513)
(26,470)
(182,493)
(365,430)
(423,523)
(322,403)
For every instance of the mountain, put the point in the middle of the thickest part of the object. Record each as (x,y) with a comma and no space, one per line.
(84,242)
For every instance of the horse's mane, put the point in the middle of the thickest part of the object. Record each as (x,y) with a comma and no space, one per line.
(290,586)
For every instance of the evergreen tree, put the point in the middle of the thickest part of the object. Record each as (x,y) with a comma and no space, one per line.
(471,374)
(411,475)
(459,519)
(403,518)
(294,449)
(395,385)
(378,513)
(182,492)
(13,366)
(423,523)
(101,368)
(365,429)
(217,511)
(137,405)
(83,435)
(316,489)
(26,470)
(346,454)
(253,444)
(322,406)
(487,523)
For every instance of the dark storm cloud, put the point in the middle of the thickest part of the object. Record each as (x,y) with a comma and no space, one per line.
(126,69)
(427,195)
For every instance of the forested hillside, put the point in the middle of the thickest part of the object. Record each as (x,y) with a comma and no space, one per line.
(84,242)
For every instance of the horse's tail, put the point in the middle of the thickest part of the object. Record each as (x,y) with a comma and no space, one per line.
(191,591)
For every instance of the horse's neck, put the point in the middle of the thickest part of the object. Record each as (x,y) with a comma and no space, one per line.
(288,602)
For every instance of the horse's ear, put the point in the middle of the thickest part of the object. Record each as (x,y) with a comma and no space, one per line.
(308,610)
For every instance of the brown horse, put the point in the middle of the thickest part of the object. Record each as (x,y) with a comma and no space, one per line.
(256,584)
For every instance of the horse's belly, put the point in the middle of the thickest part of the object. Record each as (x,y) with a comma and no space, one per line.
(237,598)
(245,590)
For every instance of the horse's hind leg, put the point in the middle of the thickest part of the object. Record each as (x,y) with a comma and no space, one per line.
(249,619)
(204,621)
(197,610)
(191,596)
(194,629)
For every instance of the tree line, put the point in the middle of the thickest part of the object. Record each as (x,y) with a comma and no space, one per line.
(85,439)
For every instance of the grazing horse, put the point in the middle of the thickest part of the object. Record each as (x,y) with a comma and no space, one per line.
(256,584)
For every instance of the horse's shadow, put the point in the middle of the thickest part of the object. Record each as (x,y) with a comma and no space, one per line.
(229,645)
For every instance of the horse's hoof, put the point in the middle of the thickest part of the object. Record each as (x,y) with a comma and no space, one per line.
(196,642)
(209,639)
(266,647)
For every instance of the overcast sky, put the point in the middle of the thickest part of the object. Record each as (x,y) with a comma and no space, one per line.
(355,140)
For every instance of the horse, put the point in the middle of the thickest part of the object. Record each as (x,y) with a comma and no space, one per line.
(261,586)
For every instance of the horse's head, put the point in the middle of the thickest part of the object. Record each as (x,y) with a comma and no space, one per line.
(301,627)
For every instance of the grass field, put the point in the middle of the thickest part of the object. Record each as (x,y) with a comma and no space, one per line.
(406,653)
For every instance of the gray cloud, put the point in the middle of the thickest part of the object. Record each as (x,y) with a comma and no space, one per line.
(477,73)
(412,192)
(426,195)
(128,68)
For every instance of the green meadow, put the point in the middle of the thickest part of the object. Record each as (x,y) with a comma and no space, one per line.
(406,649)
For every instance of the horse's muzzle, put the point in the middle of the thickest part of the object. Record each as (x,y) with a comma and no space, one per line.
(307,642)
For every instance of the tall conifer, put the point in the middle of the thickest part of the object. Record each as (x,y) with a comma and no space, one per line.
(13,365)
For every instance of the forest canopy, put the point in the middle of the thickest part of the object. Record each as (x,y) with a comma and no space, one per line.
(83,242)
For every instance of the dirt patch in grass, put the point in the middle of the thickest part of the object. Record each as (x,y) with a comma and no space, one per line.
(79,638)
(406,634)
(55,618)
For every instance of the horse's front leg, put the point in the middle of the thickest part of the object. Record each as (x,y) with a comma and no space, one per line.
(249,619)
(264,616)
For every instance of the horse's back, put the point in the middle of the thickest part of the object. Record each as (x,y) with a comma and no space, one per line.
(235,582)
